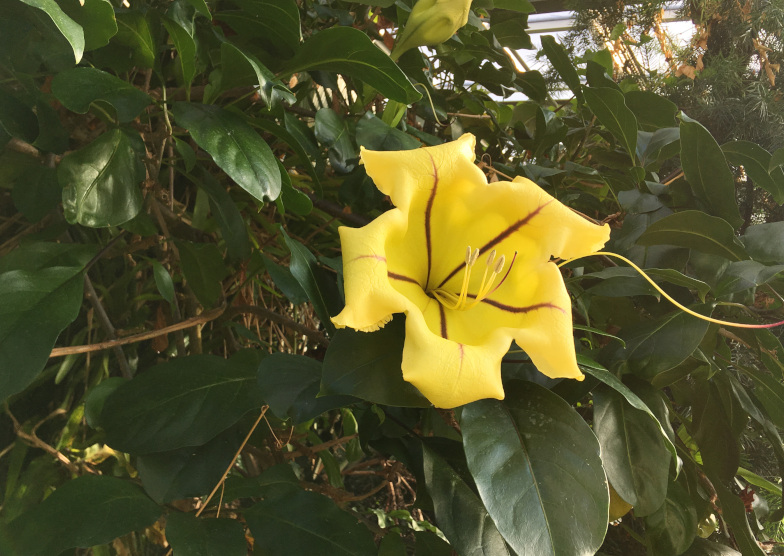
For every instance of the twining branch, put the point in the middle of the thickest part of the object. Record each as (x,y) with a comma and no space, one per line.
(291,324)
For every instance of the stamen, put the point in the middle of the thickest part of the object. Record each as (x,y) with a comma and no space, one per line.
(491,258)
(468,255)
(500,266)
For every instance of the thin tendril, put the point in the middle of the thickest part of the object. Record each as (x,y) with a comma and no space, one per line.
(432,107)
(669,298)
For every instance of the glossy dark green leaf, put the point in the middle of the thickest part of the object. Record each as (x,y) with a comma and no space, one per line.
(331,130)
(53,136)
(712,427)
(653,111)
(707,172)
(351,52)
(537,467)
(187,472)
(368,366)
(743,275)
(35,306)
(275,481)
(375,135)
(285,282)
(38,255)
(508,28)
(533,85)
(184,402)
(101,181)
(234,146)
(290,385)
(292,198)
(189,535)
(163,281)
(704,547)
(562,64)
(696,230)
(93,403)
(755,161)
(597,371)
(36,193)
(96,18)
(459,512)
(71,30)
(671,529)
(653,147)
(523,6)
(634,455)
(765,242)
(228,216)
(204,269)
(201,7)
(186,49)
(17,119)
(77,88)
(83,512)
(297,135)
(301,522)
(655,346)
(610,109)
(305,270)
(133,33)
(770,392)
(274,22)
(240,68)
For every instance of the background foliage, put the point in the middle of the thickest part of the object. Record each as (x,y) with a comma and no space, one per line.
(171,182)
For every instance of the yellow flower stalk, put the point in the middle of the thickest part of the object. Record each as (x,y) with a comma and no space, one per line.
(431,22)
(469,264)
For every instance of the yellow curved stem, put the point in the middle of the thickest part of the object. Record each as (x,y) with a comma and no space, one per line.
(669,298)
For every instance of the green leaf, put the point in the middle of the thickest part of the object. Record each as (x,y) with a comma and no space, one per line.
(532,84)
(96,18)
(562,64)
(275,23)
(770,393)
(331,130)
(368,366)
(755,161)
(734,513)
(508,27)
(77,88)
(707,171)
(38,255)
(187,472)
(696,230)
(36,193)
(93,403)
(201,7)
(652,111)
(133,32)
(537,468)
(235,147)
(228,216)
(609,107)
(204,269)
(71,30)
(101,181)
(193,536)
(300,522)
(186,50)
(704,547)
(83,512)
(16,118)
(351,52)
(163,281)
(459,512)
(285,282)
(290,386)
(305,269)
(375,135)
(290,197)
(634,455)
(597,371)
(35,306)
(765,242)
(239,68)
(523,6)
(672,528)
(184,402)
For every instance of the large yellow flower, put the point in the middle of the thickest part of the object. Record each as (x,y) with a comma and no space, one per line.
(469,264)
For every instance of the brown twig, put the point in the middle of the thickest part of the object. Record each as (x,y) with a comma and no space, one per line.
(263,312)
(320,447)
(92,297)
(194,321)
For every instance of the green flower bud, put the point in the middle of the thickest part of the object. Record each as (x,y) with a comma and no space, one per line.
(431,22)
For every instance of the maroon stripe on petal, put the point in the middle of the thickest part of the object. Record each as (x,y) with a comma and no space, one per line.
(528,309)
(401,277)
(428,213)
(443,320)
(499,238)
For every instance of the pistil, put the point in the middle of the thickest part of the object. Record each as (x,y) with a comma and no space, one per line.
(461,301)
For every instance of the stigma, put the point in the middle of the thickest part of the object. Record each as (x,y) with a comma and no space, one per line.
(464,300)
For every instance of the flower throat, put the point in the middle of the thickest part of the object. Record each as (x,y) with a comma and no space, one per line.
(464,301)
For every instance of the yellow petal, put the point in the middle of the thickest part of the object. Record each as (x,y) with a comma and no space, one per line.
(547,336)
(411,177)
(449,373)
(370,298)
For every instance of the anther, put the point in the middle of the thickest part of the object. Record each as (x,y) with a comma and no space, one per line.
(491,257)
(475,256)
(468,254)
(500,266)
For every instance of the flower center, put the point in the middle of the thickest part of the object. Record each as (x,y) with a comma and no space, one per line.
(463,300)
